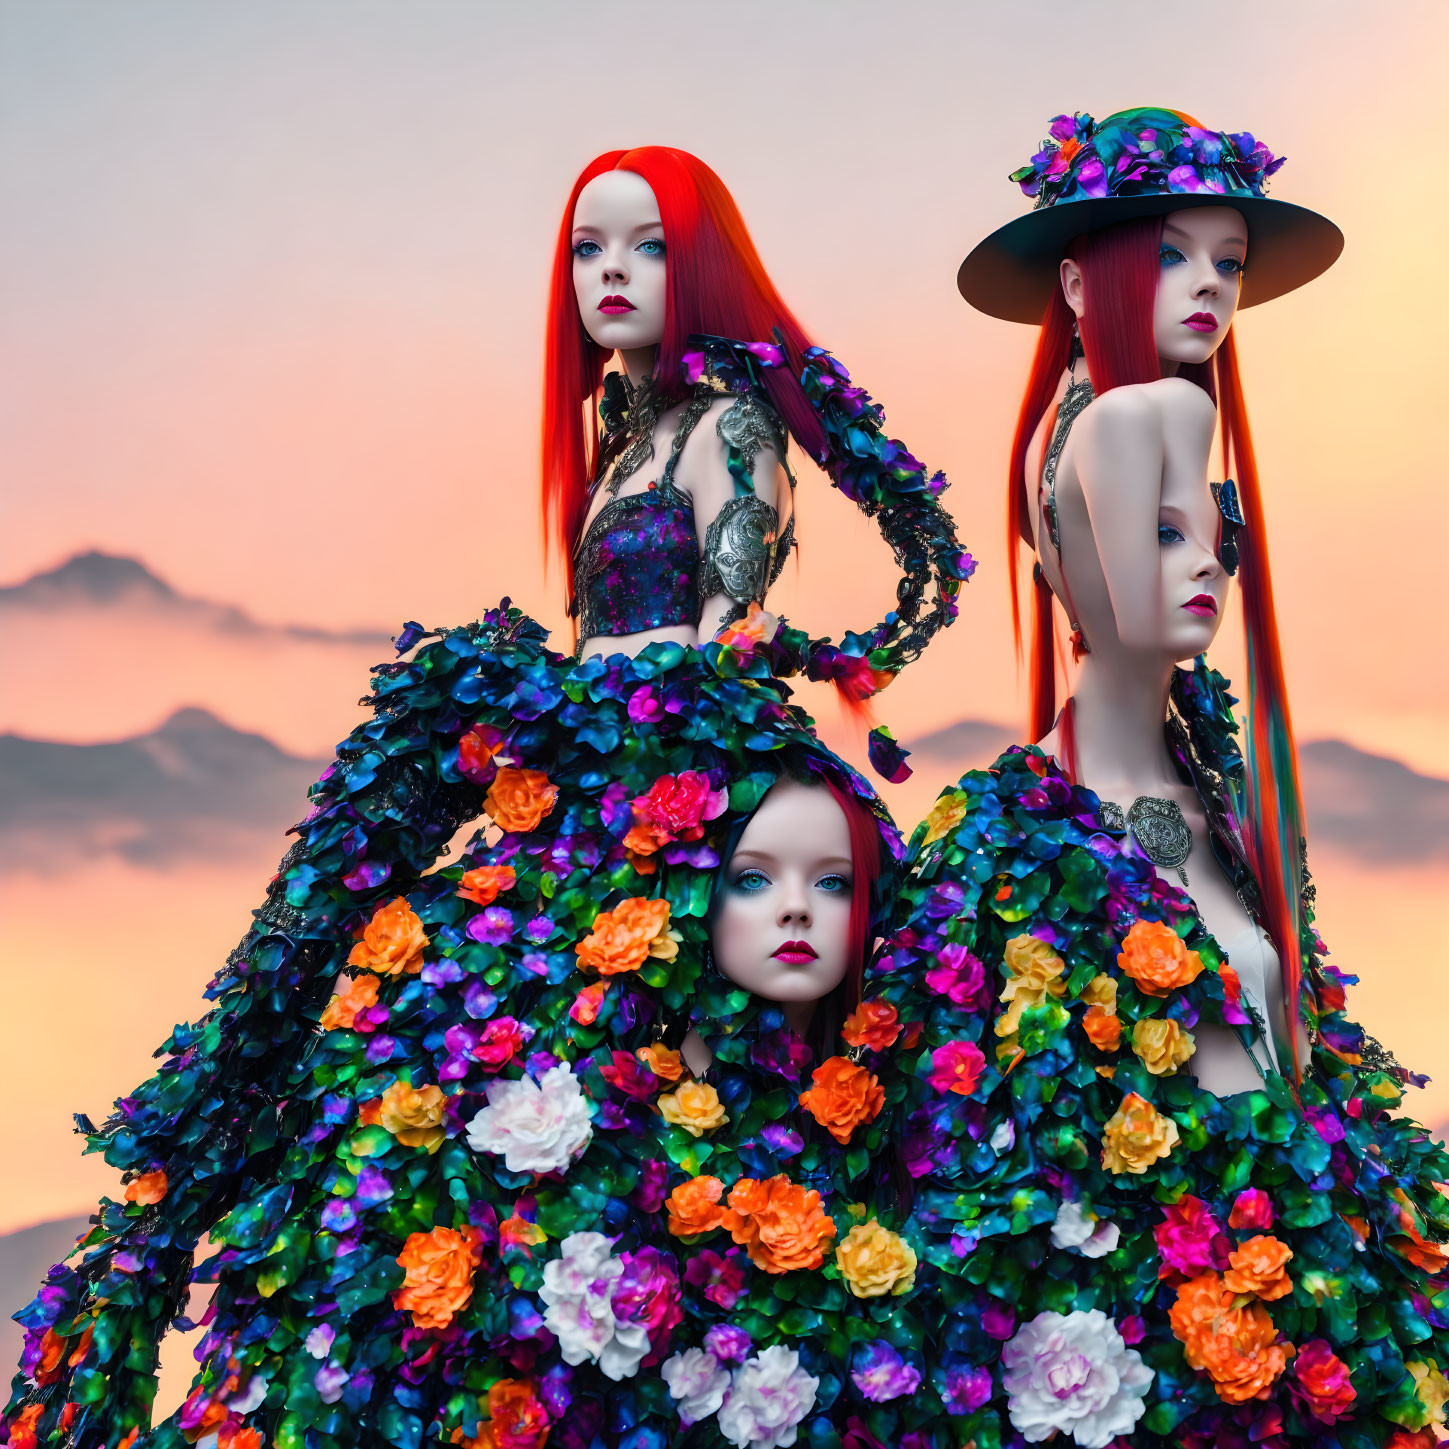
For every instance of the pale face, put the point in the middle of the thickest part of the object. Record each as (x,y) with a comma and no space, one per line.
(1194,582)
(1199,280)
(618,247)
(782,926)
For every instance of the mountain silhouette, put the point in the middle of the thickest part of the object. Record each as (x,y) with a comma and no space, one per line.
(152,799)
(96,580)
(1369,806)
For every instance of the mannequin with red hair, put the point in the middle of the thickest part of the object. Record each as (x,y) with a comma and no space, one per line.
(1157,1177)
(654,265)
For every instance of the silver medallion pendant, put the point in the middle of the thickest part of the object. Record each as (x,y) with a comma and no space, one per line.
(1159,828)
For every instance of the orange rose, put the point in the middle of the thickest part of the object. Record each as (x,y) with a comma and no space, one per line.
(1103,1028)
(23,1427)
(645,837)
(52,1350)
(516,1419)
(483,884)
(624,938)
(439,1267)
(589,1002)
(694,1208)
(1257,1267)
(1236,1346)
(1154,956)
(779,1224)
(843,1098)
(343,1010)
(663,1061)
(414,1115)
(518,799)
(148,1188)
(247,1438)
(873,1024)
(393,941)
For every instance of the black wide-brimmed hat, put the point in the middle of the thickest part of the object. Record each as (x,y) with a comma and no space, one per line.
(1143,162)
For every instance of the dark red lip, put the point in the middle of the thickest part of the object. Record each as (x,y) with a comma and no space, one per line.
(1201,322)
(616,306)
(1203,604)
(796,952)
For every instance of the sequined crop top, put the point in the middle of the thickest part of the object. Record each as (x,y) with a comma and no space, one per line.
(639,567)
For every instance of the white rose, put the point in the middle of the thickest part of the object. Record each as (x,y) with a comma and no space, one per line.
(577,1287)
(1072,1373)
(768,1399)
(534,1127)
(621,1356)
(696,1379)
(1077,1230)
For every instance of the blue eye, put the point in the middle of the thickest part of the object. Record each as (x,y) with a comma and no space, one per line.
(835,884)
(653,247)
(1231,265)
(1170,256)
(587,249)
(1166,533)
(749,881)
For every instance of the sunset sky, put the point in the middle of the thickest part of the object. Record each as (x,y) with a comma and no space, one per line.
(272,277)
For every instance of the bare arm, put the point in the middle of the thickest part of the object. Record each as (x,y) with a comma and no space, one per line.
(1124,445)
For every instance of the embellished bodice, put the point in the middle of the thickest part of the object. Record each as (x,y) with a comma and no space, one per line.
(639,565)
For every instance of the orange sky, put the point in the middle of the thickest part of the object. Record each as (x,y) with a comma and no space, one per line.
(273,284)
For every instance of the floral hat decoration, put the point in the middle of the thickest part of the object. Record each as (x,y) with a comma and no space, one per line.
(1143,162)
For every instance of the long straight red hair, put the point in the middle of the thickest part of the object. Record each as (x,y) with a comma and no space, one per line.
(865,869)
(714,283)
(1120,263)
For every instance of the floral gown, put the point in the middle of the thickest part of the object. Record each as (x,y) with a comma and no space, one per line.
(1109,1253)
(380,1224)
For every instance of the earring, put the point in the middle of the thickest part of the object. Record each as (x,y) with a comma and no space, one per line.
(1076,351)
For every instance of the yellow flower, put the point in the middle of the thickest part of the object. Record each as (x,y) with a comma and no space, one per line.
(696,1107)
(1136,1136)
(1162,1044)
(945,815)
(1101,991)
(1431,1388)
(414,1115)
(875,1261)
(1035,970)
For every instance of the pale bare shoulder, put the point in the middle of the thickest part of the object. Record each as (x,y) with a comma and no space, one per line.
(702,465)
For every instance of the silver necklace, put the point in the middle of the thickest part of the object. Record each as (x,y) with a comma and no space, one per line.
(1158,828)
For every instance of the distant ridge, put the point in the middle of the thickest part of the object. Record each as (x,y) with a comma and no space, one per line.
(97,580)
(1370,806)
(152,799)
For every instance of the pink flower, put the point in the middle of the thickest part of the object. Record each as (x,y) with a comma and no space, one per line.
(721,1276)
(1189,1240)
(956,1067)
(959,976)
(499,1042)
(677,805)
(646,1295)
(1320,1383)
(630,1076)
(1252,1208)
